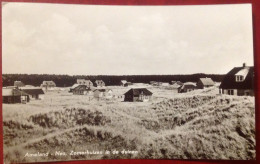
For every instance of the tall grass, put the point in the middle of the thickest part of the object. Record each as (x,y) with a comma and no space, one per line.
(195,125)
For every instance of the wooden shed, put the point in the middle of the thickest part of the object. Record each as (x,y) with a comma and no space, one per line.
(205,83)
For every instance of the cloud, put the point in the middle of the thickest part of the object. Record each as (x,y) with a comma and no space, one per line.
(78,39)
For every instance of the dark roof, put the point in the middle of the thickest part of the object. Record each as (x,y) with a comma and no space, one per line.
(35,91)
(138,91)
(229,81)
(82,87)
(102,90)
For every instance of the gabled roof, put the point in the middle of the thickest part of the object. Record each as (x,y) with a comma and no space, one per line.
(84,81)
(138,91)
(229,81)
(74,86)
(188,85)
(102,90)
(123,81)
(12,92)
(175,85)
(33,91)
(82,87)
(179,83)
(48,83)
(206,81)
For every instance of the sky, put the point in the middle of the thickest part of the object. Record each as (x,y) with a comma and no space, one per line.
(40,38)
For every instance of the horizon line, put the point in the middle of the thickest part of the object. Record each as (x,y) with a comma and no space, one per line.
(114,75)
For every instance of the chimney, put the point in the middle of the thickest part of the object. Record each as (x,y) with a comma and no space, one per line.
(244,64)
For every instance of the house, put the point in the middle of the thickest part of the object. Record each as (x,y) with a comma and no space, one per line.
(205,83)
(179,83)
(85,82)
(73,87)
(48,84)
(138,94)
(172,82)
(99,83)
(175,88)
(18,84)
(82,90)
(123,83)
(176,82)
(103,93)
(14,95)
(187,87)
(35,93)
(239,81)
(155,83)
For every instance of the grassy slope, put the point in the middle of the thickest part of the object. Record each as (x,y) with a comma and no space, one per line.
(196,125)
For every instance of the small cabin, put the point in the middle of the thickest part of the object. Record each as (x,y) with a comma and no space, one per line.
(48,84)
(176,82)
(123,83)
(88,83)
(14,95)
(82,90)
(138,95)
(175,88)
(187,87)
(73,87)
(155,83)
(99,83)
(205,83)
(34,93)
(103,93)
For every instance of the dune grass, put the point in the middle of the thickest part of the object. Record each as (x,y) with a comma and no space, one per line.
(195,125)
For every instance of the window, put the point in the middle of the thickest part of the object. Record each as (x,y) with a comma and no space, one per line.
(9,99)
(239,78)
(230,92)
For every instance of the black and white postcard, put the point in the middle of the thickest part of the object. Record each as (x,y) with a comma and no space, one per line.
(84,82)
